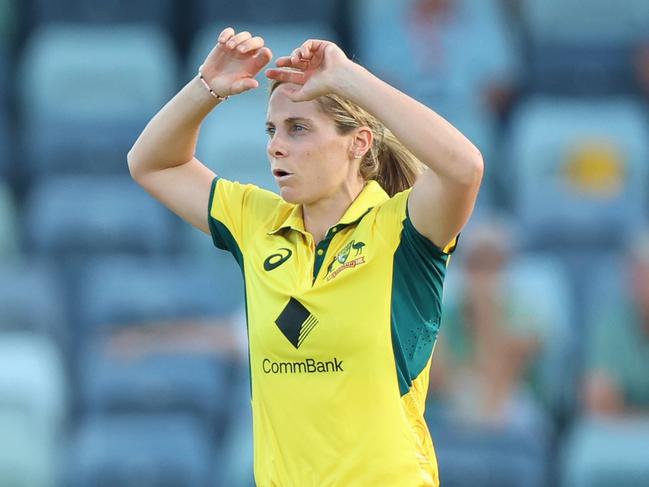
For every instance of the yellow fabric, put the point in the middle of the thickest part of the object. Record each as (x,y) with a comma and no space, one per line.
(326,405)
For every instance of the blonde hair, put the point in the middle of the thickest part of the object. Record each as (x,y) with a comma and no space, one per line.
(387,161)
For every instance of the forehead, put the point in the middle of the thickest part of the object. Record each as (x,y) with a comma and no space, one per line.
(280,107)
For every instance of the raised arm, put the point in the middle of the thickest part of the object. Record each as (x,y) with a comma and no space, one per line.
(443,197)
(162,159)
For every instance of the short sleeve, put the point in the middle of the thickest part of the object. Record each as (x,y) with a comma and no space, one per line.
(393,214)
(235,210)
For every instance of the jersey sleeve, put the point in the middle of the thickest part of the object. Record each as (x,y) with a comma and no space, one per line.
(393,214)
(235,210)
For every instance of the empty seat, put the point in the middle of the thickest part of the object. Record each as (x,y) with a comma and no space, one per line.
(31,300)
(580,47)
(142,450)
(37,12)
(74,217)
(9,243)
(577,170)
(104,84)
(32,409)
(245,11)
(192,384)
(120,291)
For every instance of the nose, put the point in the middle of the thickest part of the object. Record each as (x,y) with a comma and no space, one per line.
(276,146)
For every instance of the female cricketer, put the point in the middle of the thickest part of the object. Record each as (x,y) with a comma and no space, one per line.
(343,269)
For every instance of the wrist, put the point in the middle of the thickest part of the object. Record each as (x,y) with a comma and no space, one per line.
(213,93)
(350,79)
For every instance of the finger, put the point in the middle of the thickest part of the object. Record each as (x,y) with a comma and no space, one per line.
(286,75)
(244,84)
(225,35)
(251,44)
(263,57)
(238,39)
(298,58)
(288,62)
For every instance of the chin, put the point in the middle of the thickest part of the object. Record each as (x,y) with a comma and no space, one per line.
(290,196)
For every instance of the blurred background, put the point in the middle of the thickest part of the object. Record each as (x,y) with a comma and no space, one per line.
(122,330)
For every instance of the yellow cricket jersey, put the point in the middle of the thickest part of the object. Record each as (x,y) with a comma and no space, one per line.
(340,337)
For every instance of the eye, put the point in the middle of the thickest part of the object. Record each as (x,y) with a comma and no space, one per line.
(298,128)
(270,131)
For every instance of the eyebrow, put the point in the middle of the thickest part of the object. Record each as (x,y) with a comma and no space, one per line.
(291,120)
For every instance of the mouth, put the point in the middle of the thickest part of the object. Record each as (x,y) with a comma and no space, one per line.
(281,173)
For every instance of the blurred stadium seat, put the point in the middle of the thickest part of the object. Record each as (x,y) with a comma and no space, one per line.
(609,452)
(74,217)
(31,300)
(103,85)
(9,242)
(577,171)
(191,384)
(32,409)
(6,137)
(38,12)
(142,450)
(584,48)
(119,291)
(270,13)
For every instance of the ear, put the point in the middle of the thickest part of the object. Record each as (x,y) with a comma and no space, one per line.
(362,138)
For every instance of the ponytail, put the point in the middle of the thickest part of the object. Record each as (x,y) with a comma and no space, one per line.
(387,161)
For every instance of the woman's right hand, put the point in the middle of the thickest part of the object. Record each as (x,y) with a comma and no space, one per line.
(230,68)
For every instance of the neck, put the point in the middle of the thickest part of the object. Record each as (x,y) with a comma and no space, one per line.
(323,214)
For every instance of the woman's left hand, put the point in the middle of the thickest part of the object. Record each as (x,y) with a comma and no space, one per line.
(317,66)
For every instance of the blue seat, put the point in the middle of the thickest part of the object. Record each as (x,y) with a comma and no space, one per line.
(169,382)
(142,450)
(104,84)
(6,144)
(577,171)
(33,404)
(37,12)
(590,461)
(584,48)
(9,242)
(576,21)
(75,217)
(124,290)
(31,300)
(243,11)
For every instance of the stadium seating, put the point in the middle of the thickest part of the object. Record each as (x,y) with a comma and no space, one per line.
(116,215)
(577,49)
(32,410)
(6,144)
(167,382)
(124,290)
(591,461)
(31,301)
(9,243)
(38,12)
(103,85)
(142,450)
(271,13)
(577,171)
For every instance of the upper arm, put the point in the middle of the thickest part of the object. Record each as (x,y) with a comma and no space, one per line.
(439,208)
(184,189)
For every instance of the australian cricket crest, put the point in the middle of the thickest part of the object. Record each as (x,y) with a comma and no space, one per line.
(349,257)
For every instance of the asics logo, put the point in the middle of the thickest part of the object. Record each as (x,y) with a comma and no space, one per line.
(273,261)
